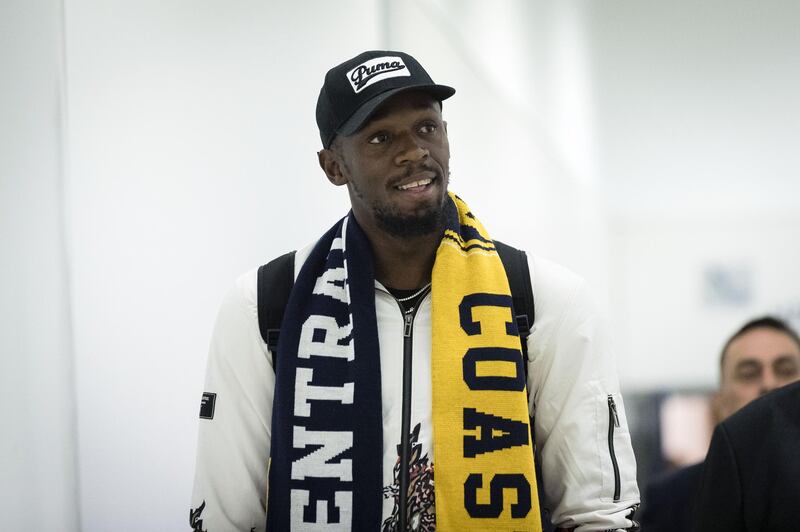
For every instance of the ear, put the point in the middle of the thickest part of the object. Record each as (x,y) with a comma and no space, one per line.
(332,166)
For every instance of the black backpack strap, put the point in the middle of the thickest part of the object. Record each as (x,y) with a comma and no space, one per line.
(275,281)
(515,261)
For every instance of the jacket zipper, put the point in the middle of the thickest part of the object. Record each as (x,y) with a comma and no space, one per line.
(405,426)
(613,421)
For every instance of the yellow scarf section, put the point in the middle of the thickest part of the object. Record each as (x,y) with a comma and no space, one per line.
(483,454)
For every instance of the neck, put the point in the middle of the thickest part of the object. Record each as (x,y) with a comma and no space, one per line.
(403,263)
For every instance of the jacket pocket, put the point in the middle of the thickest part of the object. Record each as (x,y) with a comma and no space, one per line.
(613,423)
(617,462)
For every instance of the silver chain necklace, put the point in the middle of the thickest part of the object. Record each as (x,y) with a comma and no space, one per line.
(415,294)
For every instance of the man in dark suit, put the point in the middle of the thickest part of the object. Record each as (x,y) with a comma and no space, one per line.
(751,480)
(761,356)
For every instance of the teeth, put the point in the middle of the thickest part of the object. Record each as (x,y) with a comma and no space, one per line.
(420,183)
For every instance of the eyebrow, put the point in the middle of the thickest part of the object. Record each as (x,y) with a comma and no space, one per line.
(785,358)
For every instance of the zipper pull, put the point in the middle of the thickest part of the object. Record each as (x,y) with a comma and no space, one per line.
(613,406)
(409,319)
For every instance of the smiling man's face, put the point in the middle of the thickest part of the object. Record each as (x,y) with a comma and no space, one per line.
(396,167)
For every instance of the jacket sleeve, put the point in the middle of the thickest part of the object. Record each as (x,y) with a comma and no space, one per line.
(580,427)
(230,485)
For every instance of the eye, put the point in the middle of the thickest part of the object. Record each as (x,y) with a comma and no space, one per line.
(378,138)
(428,128)
(786,368)
(748,372)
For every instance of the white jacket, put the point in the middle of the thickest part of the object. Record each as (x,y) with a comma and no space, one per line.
(571,375)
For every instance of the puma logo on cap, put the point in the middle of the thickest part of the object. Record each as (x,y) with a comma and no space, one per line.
(375,70)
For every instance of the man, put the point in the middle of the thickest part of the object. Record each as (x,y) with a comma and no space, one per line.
(750,479)
(761,356)
(399,356)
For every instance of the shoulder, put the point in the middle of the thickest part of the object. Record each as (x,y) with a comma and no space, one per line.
(300,257)
(776,411)
(561,297)
(785,400)
(242,297)
(557,291)
(553,281)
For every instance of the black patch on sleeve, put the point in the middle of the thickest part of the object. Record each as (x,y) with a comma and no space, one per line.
(207,405)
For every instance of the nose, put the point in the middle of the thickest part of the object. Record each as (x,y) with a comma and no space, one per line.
(768,381)
(410,151)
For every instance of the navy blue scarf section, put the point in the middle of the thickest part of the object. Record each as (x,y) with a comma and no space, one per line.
(327,437)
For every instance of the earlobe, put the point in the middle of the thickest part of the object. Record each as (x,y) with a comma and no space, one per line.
(329,163)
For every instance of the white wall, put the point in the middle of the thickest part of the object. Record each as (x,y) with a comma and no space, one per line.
(193,160)
(696,129)
(38,480)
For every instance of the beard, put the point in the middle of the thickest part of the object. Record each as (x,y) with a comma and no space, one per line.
(424,221)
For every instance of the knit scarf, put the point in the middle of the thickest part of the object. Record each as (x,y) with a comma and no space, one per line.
(326,455)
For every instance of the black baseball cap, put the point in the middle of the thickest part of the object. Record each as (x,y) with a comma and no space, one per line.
(354,89)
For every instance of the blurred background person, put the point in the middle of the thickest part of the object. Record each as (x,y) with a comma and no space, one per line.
(750,477)
(764,354)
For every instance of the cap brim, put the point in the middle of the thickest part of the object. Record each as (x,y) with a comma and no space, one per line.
(358,119)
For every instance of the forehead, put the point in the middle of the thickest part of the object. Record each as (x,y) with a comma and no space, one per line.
(763,344)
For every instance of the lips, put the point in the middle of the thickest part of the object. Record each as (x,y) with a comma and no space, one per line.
(415,184)
(415,181)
